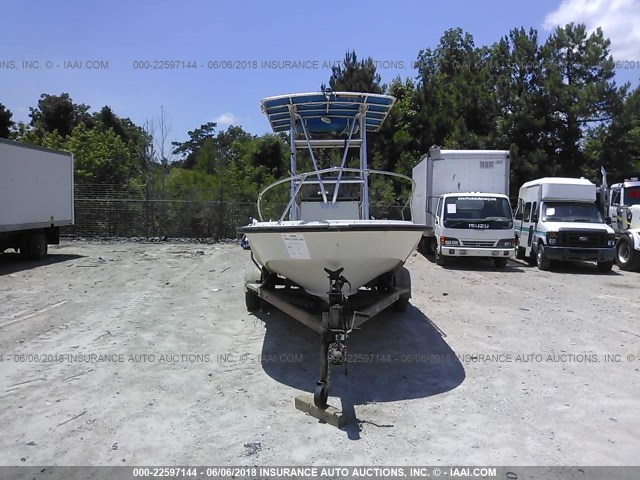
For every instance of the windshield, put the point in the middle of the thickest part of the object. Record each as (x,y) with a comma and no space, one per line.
(570,212)
(632,196)
(311,192)
(468,212)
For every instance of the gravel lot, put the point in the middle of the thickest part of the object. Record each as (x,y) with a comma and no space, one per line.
(122,353)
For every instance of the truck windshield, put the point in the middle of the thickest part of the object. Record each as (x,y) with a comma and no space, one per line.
(570,212)
(477,212)
(631,196)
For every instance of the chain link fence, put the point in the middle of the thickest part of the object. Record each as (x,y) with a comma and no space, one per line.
(123,211)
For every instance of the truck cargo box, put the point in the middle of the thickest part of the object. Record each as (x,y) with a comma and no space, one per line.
(450,171)
(36,187)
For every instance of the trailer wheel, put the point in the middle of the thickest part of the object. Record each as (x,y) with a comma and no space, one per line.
(34,246)
(402,279)
(252,274)
(627,257)
(252,300)
(541,259)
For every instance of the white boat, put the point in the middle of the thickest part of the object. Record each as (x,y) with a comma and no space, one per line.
(301,250)
(325,248)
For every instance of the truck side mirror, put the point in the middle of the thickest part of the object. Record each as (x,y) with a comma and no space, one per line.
(607,220)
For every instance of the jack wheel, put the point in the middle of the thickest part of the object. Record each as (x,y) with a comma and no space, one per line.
(321,395)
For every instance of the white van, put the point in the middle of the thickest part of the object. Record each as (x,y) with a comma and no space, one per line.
(557,219)
(474,225)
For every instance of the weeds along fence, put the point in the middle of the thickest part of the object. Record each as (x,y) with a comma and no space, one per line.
(103,210)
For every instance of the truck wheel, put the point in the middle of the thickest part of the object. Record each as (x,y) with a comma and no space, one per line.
(626,257)
(605,267)
(500,262)
(432,246)
(34,246)
(441,260)
(24,247)
(542,260)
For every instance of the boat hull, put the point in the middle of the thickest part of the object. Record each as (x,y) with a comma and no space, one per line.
(300,251)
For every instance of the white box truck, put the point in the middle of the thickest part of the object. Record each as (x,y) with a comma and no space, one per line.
(36,197)
(462,198)
(557,219)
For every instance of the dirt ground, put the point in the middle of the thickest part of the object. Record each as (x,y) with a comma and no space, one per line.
(131,354)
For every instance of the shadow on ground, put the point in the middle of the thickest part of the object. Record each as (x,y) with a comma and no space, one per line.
(582,268)
(395,356)
(13,262)
(477,264)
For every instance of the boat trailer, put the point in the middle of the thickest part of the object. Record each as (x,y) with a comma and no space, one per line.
(333,322)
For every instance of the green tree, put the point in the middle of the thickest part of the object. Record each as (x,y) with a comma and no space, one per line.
(579,92)
(100,157)
(6,124)
(189,148)
(456,97)
(616,146)
(522,110)
(355,76)
(58,113)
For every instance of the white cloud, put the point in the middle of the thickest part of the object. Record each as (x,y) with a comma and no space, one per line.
(619,20)
(226,119)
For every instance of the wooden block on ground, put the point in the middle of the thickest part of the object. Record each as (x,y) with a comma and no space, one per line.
(331,415)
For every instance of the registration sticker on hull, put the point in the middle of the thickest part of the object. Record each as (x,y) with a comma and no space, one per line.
(296,246)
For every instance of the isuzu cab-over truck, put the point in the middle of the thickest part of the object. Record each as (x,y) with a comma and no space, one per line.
(461,196)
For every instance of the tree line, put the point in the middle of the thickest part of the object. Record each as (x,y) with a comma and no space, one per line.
(553,103)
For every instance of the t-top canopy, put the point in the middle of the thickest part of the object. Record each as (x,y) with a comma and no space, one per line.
(327,112)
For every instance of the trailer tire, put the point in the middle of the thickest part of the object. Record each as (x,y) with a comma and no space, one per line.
(402,279)
(422,246)
(252,300)
(627,258)
(544,263)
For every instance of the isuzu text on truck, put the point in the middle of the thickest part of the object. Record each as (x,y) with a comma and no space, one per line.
(557,219)
(36,197)
(461,196)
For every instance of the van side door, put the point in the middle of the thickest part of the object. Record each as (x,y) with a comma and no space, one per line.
(527,233)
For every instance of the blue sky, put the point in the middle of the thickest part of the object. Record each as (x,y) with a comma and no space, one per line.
(121,33)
